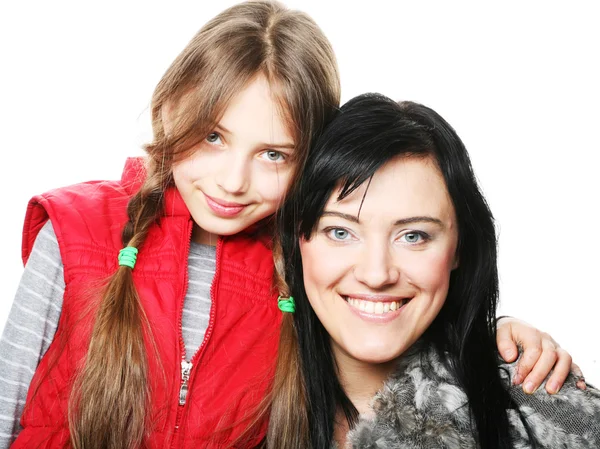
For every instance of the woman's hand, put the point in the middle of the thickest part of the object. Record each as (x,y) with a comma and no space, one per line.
(541,356)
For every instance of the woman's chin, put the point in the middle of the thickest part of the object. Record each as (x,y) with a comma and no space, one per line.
(376,352)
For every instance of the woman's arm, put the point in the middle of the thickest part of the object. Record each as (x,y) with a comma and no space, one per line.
(29,330)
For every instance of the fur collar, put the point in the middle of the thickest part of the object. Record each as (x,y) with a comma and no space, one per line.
(422,407)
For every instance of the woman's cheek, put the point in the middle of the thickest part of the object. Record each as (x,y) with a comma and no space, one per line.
(431,273)
(323,265)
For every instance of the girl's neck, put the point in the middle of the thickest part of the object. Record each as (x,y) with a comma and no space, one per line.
(203,237)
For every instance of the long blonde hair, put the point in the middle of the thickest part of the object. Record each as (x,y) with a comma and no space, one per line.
(111,396)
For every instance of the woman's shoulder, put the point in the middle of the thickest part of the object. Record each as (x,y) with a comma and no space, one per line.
(569,418)
(423,400)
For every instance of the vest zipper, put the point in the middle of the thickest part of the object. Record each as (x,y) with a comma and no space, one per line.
(183,388)
(186,367)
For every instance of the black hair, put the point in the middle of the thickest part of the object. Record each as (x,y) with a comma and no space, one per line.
(369,131)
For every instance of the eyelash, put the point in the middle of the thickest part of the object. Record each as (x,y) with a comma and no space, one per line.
(283,156)
(214,133)
(423,235)
(279,153)
(328,232)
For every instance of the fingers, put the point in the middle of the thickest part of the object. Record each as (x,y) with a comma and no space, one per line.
(504,339)
(578,376)
(532,351)
(541,357)
(562,368)
(552,357)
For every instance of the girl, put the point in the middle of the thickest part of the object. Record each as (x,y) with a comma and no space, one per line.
(390,253)
(159,286)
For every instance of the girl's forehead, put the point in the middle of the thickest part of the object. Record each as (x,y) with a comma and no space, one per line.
(255,113)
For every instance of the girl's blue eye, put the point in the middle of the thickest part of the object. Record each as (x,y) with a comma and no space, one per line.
(274,156)
(213,138)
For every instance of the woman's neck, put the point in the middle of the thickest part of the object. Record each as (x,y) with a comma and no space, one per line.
(361,380)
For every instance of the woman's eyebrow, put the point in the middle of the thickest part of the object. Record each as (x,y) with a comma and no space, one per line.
(289,146)
(331,213)
(420,219)
(402,221)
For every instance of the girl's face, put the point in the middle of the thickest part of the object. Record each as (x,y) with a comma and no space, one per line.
(377,272)
(240,173)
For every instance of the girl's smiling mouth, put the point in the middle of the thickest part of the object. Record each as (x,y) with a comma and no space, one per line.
(224,208)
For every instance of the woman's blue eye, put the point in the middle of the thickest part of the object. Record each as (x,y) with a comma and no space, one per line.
(339,233)
(213,138)
(413,237)
(274,156)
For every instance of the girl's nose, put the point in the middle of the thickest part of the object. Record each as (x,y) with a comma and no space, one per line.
(235,173)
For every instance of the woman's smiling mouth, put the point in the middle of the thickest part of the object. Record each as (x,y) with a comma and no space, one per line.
(377,308)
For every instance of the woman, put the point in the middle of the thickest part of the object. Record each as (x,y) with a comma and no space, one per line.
(390,253)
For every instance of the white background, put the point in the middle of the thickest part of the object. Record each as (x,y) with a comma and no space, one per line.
(519,82)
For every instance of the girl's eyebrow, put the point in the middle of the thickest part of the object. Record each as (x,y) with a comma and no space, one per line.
(221,128)
(402,221)
(289,146)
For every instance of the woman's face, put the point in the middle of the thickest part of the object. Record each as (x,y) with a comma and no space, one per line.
(241,172)
(376,272)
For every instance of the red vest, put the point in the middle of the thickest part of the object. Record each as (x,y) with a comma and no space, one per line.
(232,369)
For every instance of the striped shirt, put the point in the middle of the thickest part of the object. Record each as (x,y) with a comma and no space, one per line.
(35,312)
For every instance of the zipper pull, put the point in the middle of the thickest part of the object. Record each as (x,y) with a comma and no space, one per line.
(186,367)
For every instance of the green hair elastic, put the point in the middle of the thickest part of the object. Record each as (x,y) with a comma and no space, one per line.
(128,256)
(286,304)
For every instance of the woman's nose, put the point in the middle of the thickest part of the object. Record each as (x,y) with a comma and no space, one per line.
(375,267)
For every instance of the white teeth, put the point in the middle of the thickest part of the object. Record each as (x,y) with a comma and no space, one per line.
(376,307)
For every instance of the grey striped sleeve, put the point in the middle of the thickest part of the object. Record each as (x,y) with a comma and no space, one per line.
(36,310)
(30,329)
